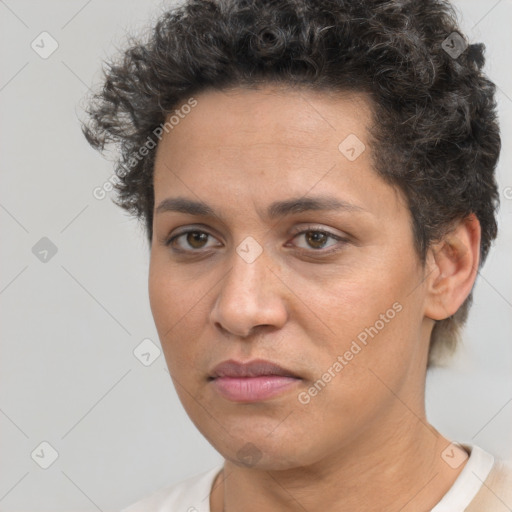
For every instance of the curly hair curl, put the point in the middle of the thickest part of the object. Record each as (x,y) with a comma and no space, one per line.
(435,130)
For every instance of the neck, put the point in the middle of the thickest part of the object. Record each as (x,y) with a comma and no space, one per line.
(403,471)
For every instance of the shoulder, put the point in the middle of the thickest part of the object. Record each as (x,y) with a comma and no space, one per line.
(190,495)
(495,495)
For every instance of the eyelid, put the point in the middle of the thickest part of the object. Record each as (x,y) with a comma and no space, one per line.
(296,231)
(186,230)
(340,242)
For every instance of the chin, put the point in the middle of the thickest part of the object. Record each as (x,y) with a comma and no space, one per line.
(274,452)
(254,458)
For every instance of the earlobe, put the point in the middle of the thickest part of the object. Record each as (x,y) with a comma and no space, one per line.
(452,266)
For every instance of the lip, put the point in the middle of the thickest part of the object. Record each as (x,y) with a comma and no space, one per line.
(254,368)
(252,381)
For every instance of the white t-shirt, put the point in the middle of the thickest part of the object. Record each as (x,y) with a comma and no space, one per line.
(193,494)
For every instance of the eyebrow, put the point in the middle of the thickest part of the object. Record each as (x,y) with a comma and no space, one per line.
(275,210)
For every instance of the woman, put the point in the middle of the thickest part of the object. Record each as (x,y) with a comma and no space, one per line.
(317,183)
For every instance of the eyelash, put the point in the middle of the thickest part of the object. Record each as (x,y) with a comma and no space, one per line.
(309,229)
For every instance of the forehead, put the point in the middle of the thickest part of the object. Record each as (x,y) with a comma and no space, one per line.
(273,126)
(257,145)
(275,113)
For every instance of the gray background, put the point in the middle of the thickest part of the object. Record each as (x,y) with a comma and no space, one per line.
(70,324)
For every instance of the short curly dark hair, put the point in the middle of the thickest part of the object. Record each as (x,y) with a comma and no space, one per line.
(435,132)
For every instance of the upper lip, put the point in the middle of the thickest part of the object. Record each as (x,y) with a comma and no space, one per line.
(255,368)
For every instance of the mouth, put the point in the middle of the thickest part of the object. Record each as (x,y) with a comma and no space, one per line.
(253,381)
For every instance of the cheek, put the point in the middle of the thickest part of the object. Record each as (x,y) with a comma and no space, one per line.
(360,371)
(161,298)
(372,313)
(172,297)
(381,345)
(347,304)
(178,310)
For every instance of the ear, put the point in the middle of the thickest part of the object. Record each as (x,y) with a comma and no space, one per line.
(452,266)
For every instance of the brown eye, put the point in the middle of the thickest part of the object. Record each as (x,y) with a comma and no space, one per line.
(316,239)
(196,239)
(192,240)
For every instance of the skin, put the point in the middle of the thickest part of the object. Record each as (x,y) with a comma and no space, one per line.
(363,442)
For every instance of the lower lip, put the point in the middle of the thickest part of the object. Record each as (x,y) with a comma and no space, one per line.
(252,389)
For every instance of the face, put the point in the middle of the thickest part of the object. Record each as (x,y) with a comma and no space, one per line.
(274,240)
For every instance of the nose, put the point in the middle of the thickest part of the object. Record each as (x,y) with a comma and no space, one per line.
(250,295)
